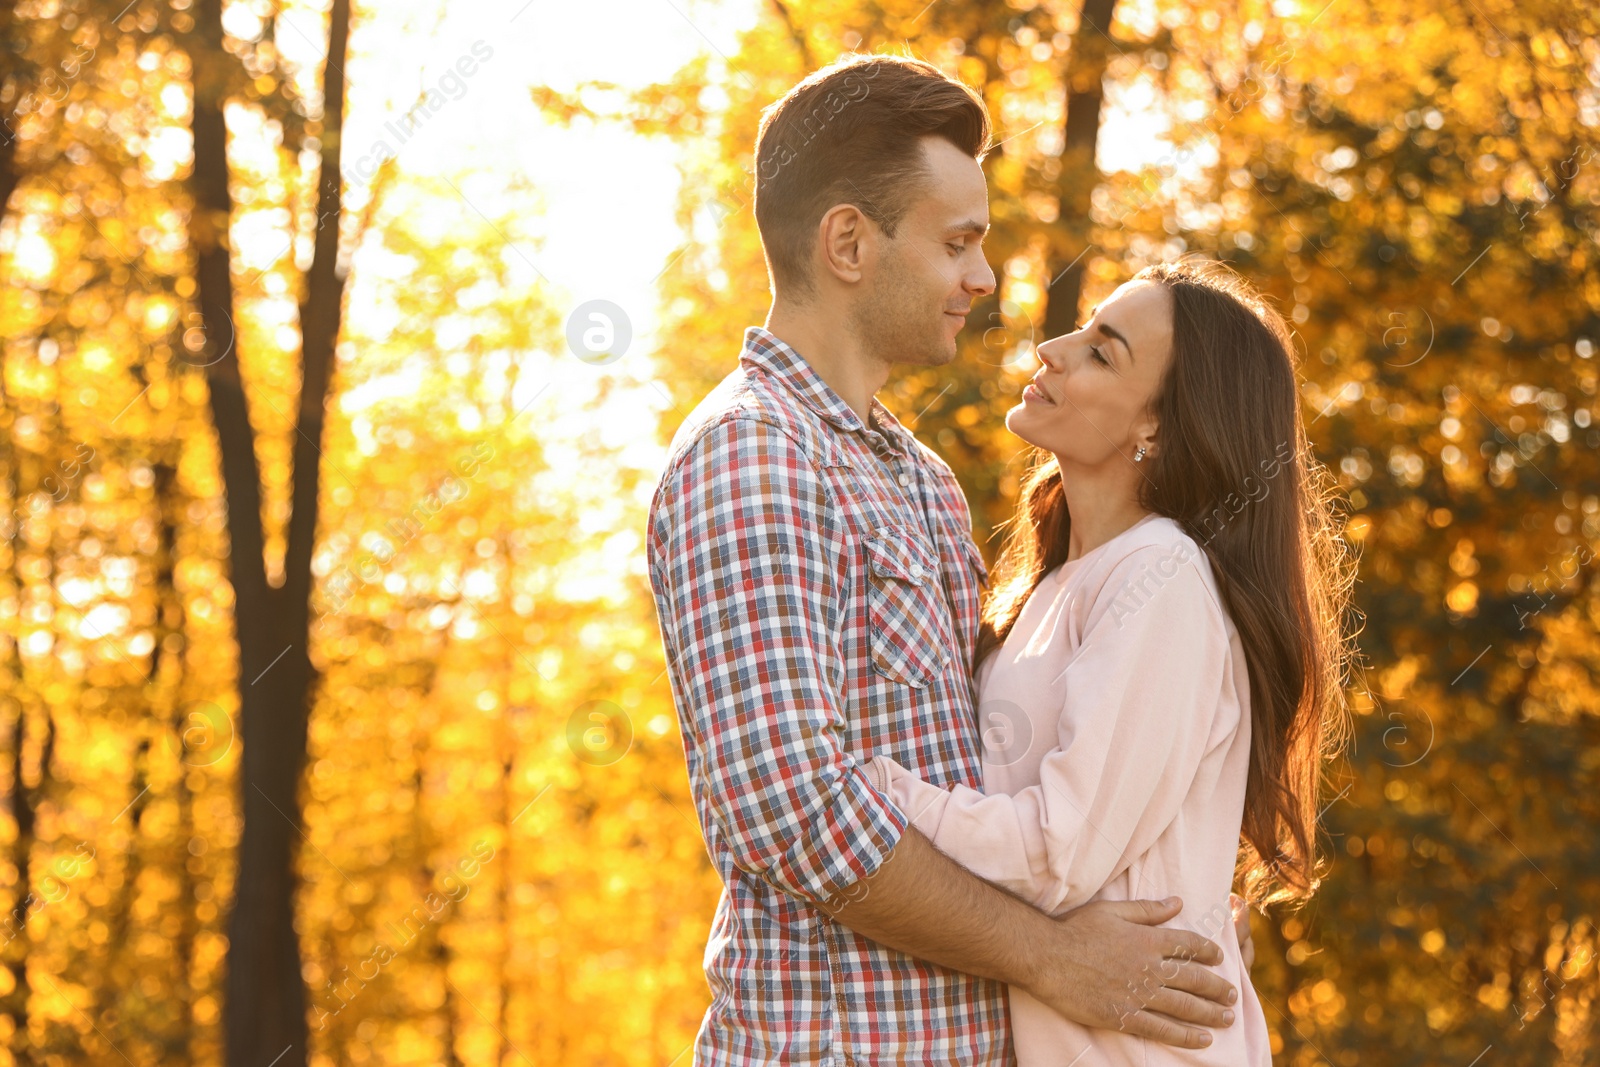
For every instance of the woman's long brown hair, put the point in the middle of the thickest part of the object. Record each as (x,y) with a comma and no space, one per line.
(1235,471)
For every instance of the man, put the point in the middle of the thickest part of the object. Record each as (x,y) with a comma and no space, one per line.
(818,592)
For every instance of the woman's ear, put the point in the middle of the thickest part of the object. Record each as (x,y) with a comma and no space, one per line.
(1145,435)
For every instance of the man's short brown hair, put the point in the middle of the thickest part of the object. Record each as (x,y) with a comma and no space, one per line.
(851,134)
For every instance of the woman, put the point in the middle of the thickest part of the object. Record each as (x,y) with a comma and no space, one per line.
(1166,639)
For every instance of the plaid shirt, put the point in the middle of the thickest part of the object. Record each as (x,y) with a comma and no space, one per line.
(817,587)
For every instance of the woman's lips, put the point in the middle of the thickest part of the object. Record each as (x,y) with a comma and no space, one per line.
(1032,392)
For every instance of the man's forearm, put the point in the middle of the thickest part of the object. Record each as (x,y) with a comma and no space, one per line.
(927,905)
(1107,964)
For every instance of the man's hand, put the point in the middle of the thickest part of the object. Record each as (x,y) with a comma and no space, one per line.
(1241,927)
(1114,968)
(1106,964)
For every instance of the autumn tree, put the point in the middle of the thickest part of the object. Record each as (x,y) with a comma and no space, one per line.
(1418,195)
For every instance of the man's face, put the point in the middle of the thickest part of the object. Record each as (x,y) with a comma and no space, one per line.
(925,278)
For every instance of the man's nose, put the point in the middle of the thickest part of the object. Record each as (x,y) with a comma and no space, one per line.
(982,281)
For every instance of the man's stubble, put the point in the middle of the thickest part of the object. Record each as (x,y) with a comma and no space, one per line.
(898,322)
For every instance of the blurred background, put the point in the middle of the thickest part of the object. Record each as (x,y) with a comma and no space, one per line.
(341,344)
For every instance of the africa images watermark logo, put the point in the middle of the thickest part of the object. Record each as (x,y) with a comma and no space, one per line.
(812,123)
(450,87)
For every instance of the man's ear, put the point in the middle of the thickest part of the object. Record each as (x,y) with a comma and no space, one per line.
(849,243)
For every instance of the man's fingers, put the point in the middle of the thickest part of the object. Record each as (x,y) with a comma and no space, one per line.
(1207,984)
(1186,1008)
(1146,912)
(1160,1028)
(1185,945)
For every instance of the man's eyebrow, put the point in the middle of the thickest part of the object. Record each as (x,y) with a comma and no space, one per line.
(972,226)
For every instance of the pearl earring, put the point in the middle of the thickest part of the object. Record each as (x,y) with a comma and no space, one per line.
(1138,456)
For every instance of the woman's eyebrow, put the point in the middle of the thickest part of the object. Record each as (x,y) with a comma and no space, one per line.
(1109,332)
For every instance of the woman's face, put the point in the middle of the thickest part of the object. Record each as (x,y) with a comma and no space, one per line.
(1090,402)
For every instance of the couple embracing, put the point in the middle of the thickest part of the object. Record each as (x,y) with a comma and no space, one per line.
(971,822)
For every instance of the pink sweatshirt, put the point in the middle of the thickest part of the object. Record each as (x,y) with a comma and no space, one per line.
(1116,746)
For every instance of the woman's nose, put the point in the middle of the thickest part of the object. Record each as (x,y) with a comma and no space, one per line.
(1051,353)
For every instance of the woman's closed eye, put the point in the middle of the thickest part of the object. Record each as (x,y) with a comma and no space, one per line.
(1095,352)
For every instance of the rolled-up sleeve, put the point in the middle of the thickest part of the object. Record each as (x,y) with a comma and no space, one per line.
(746,560)
(1141,702)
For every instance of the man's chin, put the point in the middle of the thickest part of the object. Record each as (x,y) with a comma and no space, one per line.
(909,348)
(931,355)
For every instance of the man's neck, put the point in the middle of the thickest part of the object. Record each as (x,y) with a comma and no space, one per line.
(834,352)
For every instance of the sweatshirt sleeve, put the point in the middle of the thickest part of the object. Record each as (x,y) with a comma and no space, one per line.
(1141,704)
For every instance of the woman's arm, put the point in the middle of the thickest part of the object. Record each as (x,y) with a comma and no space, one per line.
(1138,717)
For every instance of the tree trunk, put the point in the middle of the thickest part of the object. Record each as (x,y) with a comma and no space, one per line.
(25,800)
(172,627)
(15,1003)
(119,911)
(265,1010)
(447,1007)
(1085,80)
(796,34)
(264,1007)
(13,84)
(508,765)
